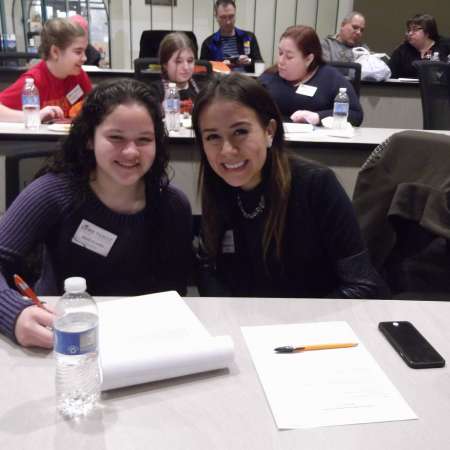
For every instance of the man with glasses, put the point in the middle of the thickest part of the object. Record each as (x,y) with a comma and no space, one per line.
(235,47)
(339,47)
(422,40)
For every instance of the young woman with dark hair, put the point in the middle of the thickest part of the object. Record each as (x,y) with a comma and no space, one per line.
(273,225)
(59,77)
(421,41)
(303,86)
(103,210)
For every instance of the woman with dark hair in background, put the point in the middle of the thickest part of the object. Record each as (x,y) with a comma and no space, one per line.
(422,40)
(303,86)
(103,210)
(273,225)
(177,60)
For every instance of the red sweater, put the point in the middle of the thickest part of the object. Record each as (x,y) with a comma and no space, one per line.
(52,91)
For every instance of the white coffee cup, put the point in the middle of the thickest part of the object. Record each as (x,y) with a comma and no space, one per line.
(259,68)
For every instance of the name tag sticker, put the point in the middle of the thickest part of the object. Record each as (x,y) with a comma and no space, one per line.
(94,238)
(228,242)
(306,89)
(75,94)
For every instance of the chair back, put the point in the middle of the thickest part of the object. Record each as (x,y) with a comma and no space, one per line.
(351,71)
(148,70)
(434,77)
(401,199)
(150,40)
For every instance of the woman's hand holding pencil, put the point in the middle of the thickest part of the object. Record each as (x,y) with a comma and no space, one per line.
(34,324)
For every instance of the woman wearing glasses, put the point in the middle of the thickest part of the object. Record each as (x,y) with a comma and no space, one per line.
(422,40)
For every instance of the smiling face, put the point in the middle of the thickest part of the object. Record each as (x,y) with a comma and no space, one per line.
(69,61)
(292,64)
(124,146)
(351,32)
(180,66)
(235,143)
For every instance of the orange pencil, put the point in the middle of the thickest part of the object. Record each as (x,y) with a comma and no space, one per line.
(27,291)
(305,348)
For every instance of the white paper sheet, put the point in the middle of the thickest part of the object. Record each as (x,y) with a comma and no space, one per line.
(297,127)
(323,387)
(154,337)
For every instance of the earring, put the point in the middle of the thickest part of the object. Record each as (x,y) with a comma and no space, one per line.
(269,141)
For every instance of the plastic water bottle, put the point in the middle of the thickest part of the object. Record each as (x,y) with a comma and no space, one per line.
(172,108)
(11,43)
(340,109)
(32,46)
(78,376)
(435,56)
(31,105)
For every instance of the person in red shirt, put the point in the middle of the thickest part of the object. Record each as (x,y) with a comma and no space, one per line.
(59,77)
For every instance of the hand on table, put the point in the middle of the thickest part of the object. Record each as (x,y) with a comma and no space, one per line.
(49,113)
(244,60)
(304,116)
(32,327)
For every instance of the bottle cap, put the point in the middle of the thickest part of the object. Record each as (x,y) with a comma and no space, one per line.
(75,284)
(342,89)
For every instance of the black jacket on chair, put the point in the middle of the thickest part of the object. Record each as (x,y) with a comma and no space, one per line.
(401,200)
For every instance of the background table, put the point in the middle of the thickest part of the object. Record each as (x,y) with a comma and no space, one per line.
(227,409)
(23,151)
(392,103)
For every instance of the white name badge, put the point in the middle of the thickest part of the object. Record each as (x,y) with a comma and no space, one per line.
(94,238)
(306,89)
(75,94)
(228,242)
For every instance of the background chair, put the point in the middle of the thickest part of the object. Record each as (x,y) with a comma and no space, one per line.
(148,70)
(351,71)
(434,79)
(401,199)
(150,40)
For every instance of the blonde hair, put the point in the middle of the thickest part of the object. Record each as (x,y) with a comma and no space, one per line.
(60,33)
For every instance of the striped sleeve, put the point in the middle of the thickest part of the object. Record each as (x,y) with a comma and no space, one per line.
(25,224)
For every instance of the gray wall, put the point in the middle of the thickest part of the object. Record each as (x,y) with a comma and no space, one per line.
(386,19)
(267,18)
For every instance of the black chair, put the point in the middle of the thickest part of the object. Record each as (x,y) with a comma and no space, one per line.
(150,40)
(148,70)
(351,71)
(19,59)
(434,77)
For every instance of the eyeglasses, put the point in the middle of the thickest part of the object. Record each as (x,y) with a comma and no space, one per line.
(413,30)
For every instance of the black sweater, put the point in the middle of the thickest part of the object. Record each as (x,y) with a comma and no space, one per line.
(324,254)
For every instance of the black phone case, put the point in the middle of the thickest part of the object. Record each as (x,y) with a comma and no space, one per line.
(434,359)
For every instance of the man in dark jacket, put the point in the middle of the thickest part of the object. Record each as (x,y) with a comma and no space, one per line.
(235,47)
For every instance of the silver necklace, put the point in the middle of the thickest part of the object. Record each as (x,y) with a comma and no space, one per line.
(256,212)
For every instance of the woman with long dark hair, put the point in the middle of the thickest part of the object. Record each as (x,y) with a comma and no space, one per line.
(103,210)
(273,225)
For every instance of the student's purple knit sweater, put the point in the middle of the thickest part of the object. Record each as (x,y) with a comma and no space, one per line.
(152,251)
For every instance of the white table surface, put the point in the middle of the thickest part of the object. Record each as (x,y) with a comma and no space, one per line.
(363,135)
(227,409)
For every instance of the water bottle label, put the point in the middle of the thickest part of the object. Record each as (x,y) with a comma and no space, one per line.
(30,100)
(75,343)
(173,104)
(341,108)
